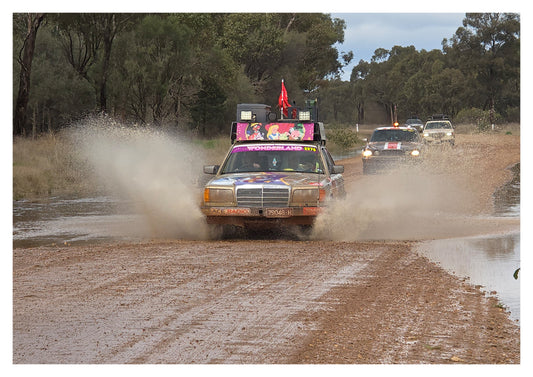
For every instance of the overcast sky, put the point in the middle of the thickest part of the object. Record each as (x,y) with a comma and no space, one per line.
(366,32)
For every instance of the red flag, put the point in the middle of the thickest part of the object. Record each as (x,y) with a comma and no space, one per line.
(283,101)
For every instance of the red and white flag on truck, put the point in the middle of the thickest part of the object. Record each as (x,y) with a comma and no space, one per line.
(283,101)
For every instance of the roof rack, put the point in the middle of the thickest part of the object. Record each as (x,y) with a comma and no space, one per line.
(439,117)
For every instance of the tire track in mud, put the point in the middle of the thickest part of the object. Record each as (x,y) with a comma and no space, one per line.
(406,310)
(176,302)
(251,319)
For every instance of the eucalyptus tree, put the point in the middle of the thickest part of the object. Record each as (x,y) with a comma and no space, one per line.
(487,47)
(154,59)
(87,40)
(32,23)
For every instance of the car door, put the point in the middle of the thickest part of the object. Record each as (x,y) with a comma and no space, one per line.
(337,180)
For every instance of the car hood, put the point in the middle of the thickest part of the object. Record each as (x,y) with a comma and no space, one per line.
(269,178)
(393,145)
(438,130)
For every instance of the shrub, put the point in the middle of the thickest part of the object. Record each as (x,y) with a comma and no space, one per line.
(343,138)
(476,116)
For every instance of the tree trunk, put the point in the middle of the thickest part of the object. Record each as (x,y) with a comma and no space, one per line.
(25,60)
(109,35)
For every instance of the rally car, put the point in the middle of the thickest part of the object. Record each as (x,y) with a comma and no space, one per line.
(390,146)
(275,173)
(438,130)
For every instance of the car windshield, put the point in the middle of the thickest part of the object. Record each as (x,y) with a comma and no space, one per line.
(413,121)
(437,125)
(394,135)
(273,158)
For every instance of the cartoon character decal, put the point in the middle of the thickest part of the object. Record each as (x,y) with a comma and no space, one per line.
(275,131)
(254,132)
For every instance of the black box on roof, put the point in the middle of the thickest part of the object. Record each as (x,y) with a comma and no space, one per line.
(259,112)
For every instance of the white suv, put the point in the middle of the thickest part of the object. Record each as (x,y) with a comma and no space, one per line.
(438,132)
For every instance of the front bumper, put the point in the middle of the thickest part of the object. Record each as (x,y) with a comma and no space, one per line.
(438,139)
(243,216)
(384,162)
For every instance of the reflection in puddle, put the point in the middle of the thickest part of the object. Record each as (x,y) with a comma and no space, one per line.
(489,261)
(507,198)
(58,221)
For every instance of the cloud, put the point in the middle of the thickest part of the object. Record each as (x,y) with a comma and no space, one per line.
(366,32)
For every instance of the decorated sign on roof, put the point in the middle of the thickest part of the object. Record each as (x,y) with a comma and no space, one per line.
(275,131)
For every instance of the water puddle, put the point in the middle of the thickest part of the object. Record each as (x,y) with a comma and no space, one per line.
(60,221)
(486,261)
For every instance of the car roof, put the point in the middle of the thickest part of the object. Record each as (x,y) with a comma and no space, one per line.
(394,128)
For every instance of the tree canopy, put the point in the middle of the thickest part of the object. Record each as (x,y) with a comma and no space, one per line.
(189,70)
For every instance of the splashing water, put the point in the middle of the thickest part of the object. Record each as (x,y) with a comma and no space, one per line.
(154,170)
(438,199)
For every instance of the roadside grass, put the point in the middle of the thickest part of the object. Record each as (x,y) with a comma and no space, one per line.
(504,128)
(47,166)
(213,150)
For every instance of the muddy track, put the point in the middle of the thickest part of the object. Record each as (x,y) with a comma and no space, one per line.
(256,301)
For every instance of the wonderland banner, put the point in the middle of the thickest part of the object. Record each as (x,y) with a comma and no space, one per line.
(275,131)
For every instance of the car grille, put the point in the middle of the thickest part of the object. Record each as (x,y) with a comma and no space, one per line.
(437,135)
(263,197)
(396,152)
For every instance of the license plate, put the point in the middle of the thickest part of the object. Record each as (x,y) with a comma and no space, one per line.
(278,212)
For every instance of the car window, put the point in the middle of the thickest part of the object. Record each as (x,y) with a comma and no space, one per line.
(438,125)
(329,160)
(273,158)
(394,135)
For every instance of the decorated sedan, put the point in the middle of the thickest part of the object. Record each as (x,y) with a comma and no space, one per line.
(390,146)
(274,173)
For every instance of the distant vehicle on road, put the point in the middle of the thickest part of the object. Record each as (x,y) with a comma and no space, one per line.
(389,147)
(438,130)
(415,123)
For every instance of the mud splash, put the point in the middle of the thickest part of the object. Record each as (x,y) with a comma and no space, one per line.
(152,169)
(440,198)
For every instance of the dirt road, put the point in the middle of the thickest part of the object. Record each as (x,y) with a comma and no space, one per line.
(359,297)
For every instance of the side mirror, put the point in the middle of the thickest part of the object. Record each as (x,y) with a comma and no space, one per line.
(211,169)
(338,169)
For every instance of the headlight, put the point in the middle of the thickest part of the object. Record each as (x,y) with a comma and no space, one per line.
(367,153)
(426,134)
(303,196)
(246,115)
(304,115)
(449,133)
(215,195)
(415,153)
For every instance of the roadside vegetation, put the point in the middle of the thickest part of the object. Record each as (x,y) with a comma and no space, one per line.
(47,166)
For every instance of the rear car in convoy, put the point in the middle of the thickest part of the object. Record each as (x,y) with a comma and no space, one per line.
(438,130)
(415,123)
(277,172)
(390,147)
